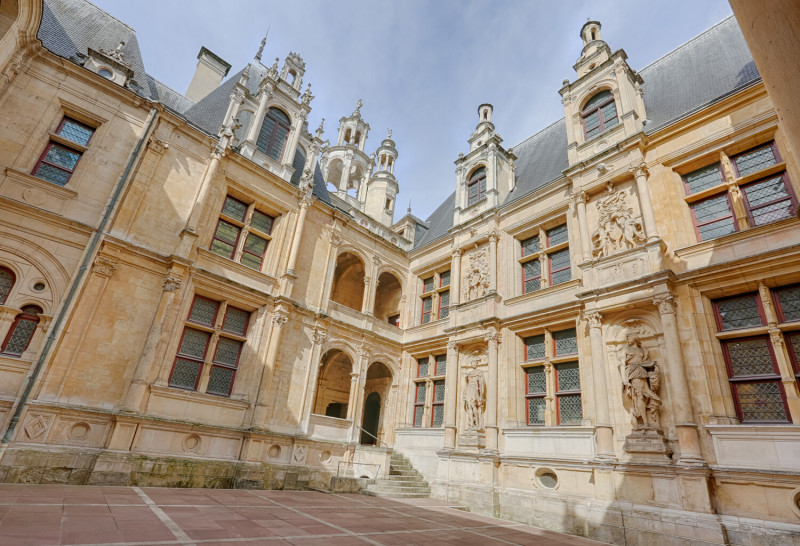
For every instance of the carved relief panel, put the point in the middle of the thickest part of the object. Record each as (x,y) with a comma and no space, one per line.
(475,274)
(618,223)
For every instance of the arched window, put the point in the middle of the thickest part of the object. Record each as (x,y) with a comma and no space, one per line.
(476,187)
(274,133)
(599,114)
(6,282)
(21,332)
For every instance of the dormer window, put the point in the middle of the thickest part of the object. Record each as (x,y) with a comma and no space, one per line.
(106,73)
(599,114)
(476,187)
(274,133)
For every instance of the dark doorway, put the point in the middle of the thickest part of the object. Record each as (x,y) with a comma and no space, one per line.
(336,409)
(372,416)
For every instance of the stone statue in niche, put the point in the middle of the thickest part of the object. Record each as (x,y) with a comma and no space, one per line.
(618,229)
(474,396)
(641,380)
(477,277)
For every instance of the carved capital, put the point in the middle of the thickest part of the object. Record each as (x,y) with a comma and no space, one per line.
(104,266)
(493,236)
(666,304)
(763,291)
(452,347)
(366,280)
(457,253)
(579,197)
(279,318)
(171,284)
(318,336)
(639,171)
(594,318)
(376,260)
(363,351)
(776,336)
(492,337)
(157,145)
(335,238)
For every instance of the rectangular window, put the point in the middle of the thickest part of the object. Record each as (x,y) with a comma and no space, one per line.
(535,392)
(534,347)
(568,394)
(476,191)
(768,200)
(557,235)
(419,404)
(59,159)
(437,406)
(530,246)
(560,270)
(554,254)
(713,217)
(703,179)
(565,342)
(427,285)
(197,343)
(441,364)
(233,221)
(394,320)
(422,367)
(444,304)
(531,276)
(787,303)
(739,312)
(755,380)
(444,279)
(427,309)
(755,160)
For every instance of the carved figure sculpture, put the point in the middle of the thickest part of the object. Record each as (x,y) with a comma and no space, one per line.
(477,279)
(618,229)
(474,398)
(641,380)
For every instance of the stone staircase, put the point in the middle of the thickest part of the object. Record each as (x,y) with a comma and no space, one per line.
(403,481)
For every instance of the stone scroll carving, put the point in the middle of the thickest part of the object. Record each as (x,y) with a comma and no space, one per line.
(618,229)
(474,396)
(477,276)
(641,381)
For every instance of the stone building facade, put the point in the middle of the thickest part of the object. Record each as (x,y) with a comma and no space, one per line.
(598,332)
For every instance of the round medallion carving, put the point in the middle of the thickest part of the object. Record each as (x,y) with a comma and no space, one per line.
(274,452)
(33,196)
(79,431)
(325,456)
(191,443)
(547,478)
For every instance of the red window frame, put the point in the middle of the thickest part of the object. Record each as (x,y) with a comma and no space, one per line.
(426,315)
(600,118)
(427,361)
(51,143)
(439,359)
(444,308)
(418,404)
(776,302)
(553,271)
(4,297)
(759,306)
(555,345)
(235,244)
(478,176)
(435,403)
(22,317)
(259,256)
(181,356)
(394,320)
(529,395)
(442,276)
(426,282)
(793,358)
(526,279)
(751,379)
(730,210)
(686,183)
(789,192)
(559,393)
(273,134)
(776,154)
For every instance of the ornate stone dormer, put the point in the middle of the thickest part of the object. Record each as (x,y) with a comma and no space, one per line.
(604,105)
(110,64)
(346,165)
(381,191)
(278,114)
(484,176)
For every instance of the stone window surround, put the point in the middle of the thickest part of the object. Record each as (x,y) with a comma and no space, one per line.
(216,331)
(779,333)
(56,139)
(543,254)
(550,362)
(429,381)
(434,294)
(245,226)
(731,182)
(584,113)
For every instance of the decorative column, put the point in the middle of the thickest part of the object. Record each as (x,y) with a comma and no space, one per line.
(358,396)
(305,202)
(603,429)
(645,204)
(279,318)
(450,393)
(7,316)
(312,373)
(493,236)
(366,296)
(678,385)
(335,239)
(583,226)
(138,385)
(249,144)
(372,291)
(492,340)
(455,278)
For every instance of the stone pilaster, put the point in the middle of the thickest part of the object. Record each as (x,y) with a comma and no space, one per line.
(645,204)
(279,319)
(493,341)
(602,416)
(312,374)
(450,395)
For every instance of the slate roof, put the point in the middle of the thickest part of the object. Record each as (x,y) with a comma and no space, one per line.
(708,67)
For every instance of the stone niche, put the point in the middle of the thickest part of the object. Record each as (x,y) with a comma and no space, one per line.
(635,360)
(472,398)
(475,274)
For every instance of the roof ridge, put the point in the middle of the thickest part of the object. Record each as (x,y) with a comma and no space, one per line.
(169,87)
(688,42)
(98,8)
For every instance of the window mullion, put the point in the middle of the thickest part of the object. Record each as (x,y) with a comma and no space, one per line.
(550,417)
(202,385)
(248,217)
(737,203)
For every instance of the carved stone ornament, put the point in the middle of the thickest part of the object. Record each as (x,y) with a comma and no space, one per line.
(104,266)
(307,96)
(171,284)
(474,394)
(641,381)
(335,237)
(318,336)
(272,73)
(157,145)
(116,54)
(492,337)
(279,318)
(666,304)
(594,318)
(452,346)
(618,229)
(363,350)
(477,276)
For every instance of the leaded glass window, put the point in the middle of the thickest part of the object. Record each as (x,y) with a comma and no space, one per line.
(713,217)
(444,278)
(235,321)
(599,114)
(262,222)
(441,364)
(427,284)
(226,240)
(21,332)
(58,161)
(755,160)
(789,303)
(204,311)
(534,347)
(422,367)
(557,235)
(530,246)
(437,406)
(566,342)
(535,392)
(427,309)
(6,282)
(233,208)
(739,312)
(274,133)
(476,187)
(560,270)
(703,179)
(768,200)
(444,304)
(419,403)
(531,276)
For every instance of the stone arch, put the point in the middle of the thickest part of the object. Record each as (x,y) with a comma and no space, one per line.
(34,262)
(378,386)
(603,85)
(332,392)
(333,171)
(348,280)
(388,294)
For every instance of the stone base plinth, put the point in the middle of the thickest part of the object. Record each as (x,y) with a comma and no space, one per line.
(472,440)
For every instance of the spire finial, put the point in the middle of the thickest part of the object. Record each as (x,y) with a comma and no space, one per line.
(261,47)
(390,133)
(359,104)
(321,129)
(409,207)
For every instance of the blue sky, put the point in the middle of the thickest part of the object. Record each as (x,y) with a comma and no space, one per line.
(420,67)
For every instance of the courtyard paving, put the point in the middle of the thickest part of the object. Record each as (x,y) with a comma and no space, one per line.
(59,515)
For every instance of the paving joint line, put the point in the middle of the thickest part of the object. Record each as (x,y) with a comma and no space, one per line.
(173,527)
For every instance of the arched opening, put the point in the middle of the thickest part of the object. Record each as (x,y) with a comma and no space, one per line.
(357,140)
(376,391)
(291,76)
(476,187)
(333,385)
(274,133)
(387,298)
(599,114)
(347,134)
(8,14)
(348,281)
(334,174)
(21,331)
(6,283)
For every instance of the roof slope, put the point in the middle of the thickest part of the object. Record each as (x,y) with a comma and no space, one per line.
(708,67)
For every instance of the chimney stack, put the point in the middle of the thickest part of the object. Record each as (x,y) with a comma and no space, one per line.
(210,71)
